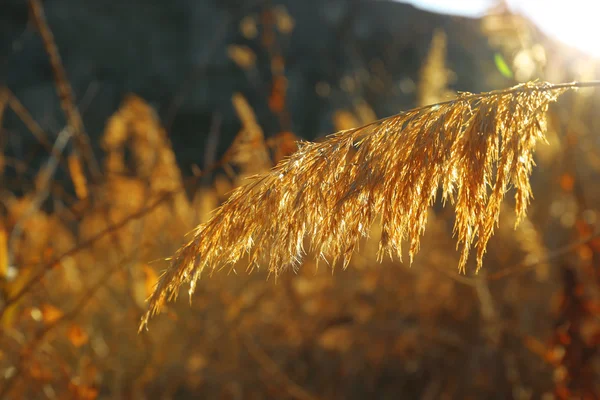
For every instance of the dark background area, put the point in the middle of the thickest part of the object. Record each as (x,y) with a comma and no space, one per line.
(173,54)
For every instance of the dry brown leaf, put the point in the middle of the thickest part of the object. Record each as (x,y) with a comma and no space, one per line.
(196,363)
(243,56)
(285,22)
(77,176)
(51,314)
(150,278)
(77,336)
(365,112)
(344,120)
(144,283)
(249,149)
(248,27)
(283,144)
(336,339)
(3,253)
(39,371)
(83,392)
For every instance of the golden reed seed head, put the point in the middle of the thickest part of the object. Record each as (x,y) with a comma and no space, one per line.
(329,193)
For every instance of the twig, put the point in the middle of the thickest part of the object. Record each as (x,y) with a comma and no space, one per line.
(561,251)
(271,367)
(35,129)
(523,266)
(487,309)
(64,89)
(42,186)
(3,103)
(4,96)
(212,142)
(465,280)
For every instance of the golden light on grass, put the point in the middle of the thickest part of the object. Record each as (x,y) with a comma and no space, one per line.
(574,23)
(328,194)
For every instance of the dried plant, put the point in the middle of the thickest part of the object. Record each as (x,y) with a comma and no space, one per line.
(248,150)
(474,148)
(434,74)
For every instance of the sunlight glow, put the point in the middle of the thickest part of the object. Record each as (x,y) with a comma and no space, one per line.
(575,22)
(468,8)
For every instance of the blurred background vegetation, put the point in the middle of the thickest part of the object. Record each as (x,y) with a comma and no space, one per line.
(123,124)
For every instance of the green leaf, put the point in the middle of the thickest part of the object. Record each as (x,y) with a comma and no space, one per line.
(502,66)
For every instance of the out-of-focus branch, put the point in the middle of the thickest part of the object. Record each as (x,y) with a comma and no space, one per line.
(43,181)
(64,89)
(4,97)
(551,255)
(3,102)
(271,367)
(25,117)
(212,142)
(523,266)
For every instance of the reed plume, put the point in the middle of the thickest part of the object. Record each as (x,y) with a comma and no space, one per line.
(471,150)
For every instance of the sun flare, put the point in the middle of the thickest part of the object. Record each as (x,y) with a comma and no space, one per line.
(575,23)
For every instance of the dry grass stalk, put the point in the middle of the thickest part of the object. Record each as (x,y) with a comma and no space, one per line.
(529,240)
(64,89)
(3,252)
(77,175)
(135,126)
(474,148)
(434,74)
(19,109)
(243,56)
(249,150)
(3,104)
